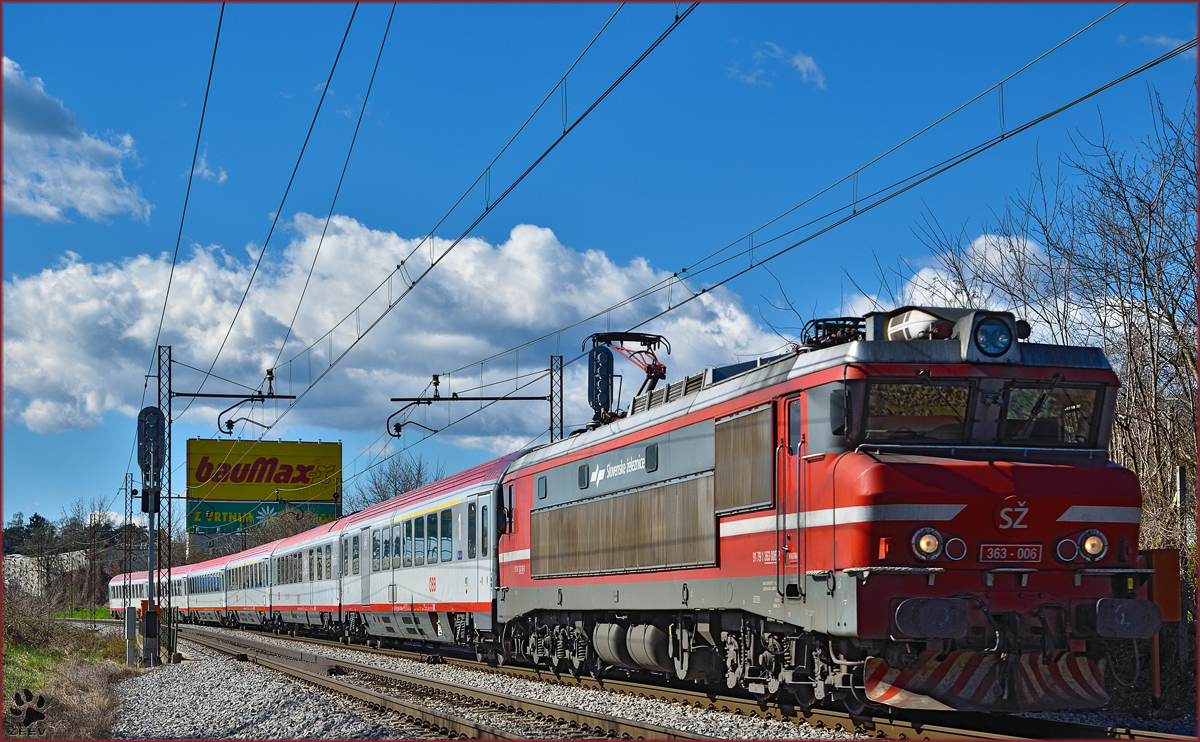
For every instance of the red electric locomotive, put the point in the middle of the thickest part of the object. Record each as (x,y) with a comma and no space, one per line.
(912,509)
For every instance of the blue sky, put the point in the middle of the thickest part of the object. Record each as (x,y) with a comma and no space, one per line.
(740,114)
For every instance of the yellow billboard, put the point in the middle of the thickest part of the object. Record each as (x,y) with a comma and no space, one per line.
(249,471)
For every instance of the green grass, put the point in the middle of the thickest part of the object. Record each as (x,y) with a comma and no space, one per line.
(27,668)
(87,613)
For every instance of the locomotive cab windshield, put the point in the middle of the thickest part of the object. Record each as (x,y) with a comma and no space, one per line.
(995,412)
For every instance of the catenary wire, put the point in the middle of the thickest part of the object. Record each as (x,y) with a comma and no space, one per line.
(925,175)
(179,237)
(338,190)
(278,211)
(566,131)
(334,361)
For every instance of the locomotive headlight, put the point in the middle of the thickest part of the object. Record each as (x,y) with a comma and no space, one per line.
(1092,545)
(993,336)
(927,543)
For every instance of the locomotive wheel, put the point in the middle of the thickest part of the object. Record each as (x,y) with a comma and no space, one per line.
(733,666)
(803,695)
(852,704)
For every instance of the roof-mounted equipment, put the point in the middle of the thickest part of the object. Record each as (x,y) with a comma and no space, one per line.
(600,367)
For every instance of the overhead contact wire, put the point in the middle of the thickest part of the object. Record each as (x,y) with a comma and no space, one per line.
(278,212)
(179,237)
(338,190)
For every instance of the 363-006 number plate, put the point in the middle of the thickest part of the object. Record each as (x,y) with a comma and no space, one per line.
(1010,552)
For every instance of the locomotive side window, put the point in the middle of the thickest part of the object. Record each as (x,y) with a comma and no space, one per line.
(472,530)
(354,554)
(431,555)
(916,412)
(830,408)
(408,544)
(328,561)
(447,535)
(541,488)
(419,540)
(483,538)
(397,542)
(795,426)
(1049,415)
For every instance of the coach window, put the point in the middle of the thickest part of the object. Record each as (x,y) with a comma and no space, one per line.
(385,556)
(345,557)
(397,544)
(408,543)
(541,488)
(472,532)
(483,538)
(375,550)
(447,535)
(431,531)
(419,541)
(354,555)
(329,561)
(320,563)
(311,572)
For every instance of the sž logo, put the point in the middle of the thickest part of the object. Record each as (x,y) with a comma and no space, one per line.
(1012,514)
(262,470)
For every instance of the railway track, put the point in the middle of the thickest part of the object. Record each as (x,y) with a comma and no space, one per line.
(446,708)
(899,725)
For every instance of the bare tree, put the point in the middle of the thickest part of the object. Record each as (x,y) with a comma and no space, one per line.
(399,475)
(1102,252)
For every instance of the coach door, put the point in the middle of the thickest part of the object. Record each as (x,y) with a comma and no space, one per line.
(792,501)
(364,544)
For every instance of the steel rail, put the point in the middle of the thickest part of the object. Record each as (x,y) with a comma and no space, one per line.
(900,724)
(315,668)
(610,725)
(446,724)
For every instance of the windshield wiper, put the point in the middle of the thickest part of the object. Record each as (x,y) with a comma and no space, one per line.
(923,373)
(1037,408)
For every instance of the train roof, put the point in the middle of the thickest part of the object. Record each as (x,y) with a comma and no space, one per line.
(485,473)
(306,536)
(179,571)
(257,551)
(719,384)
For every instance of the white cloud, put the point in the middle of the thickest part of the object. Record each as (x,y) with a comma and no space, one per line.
(52,166)
(983,265)
(769,55)
(1167,42)
(204,171)
(77,337)
(809,71)
(751,78)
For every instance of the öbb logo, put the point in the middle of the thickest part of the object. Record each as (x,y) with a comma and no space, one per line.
(1011,514)
(262,471)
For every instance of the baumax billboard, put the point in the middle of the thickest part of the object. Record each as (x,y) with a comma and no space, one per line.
(258,471)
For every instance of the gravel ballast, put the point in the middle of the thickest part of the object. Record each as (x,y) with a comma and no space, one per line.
(256,703)
(671,715)
(214,697)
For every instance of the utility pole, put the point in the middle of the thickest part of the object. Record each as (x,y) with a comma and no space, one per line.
(130,611)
